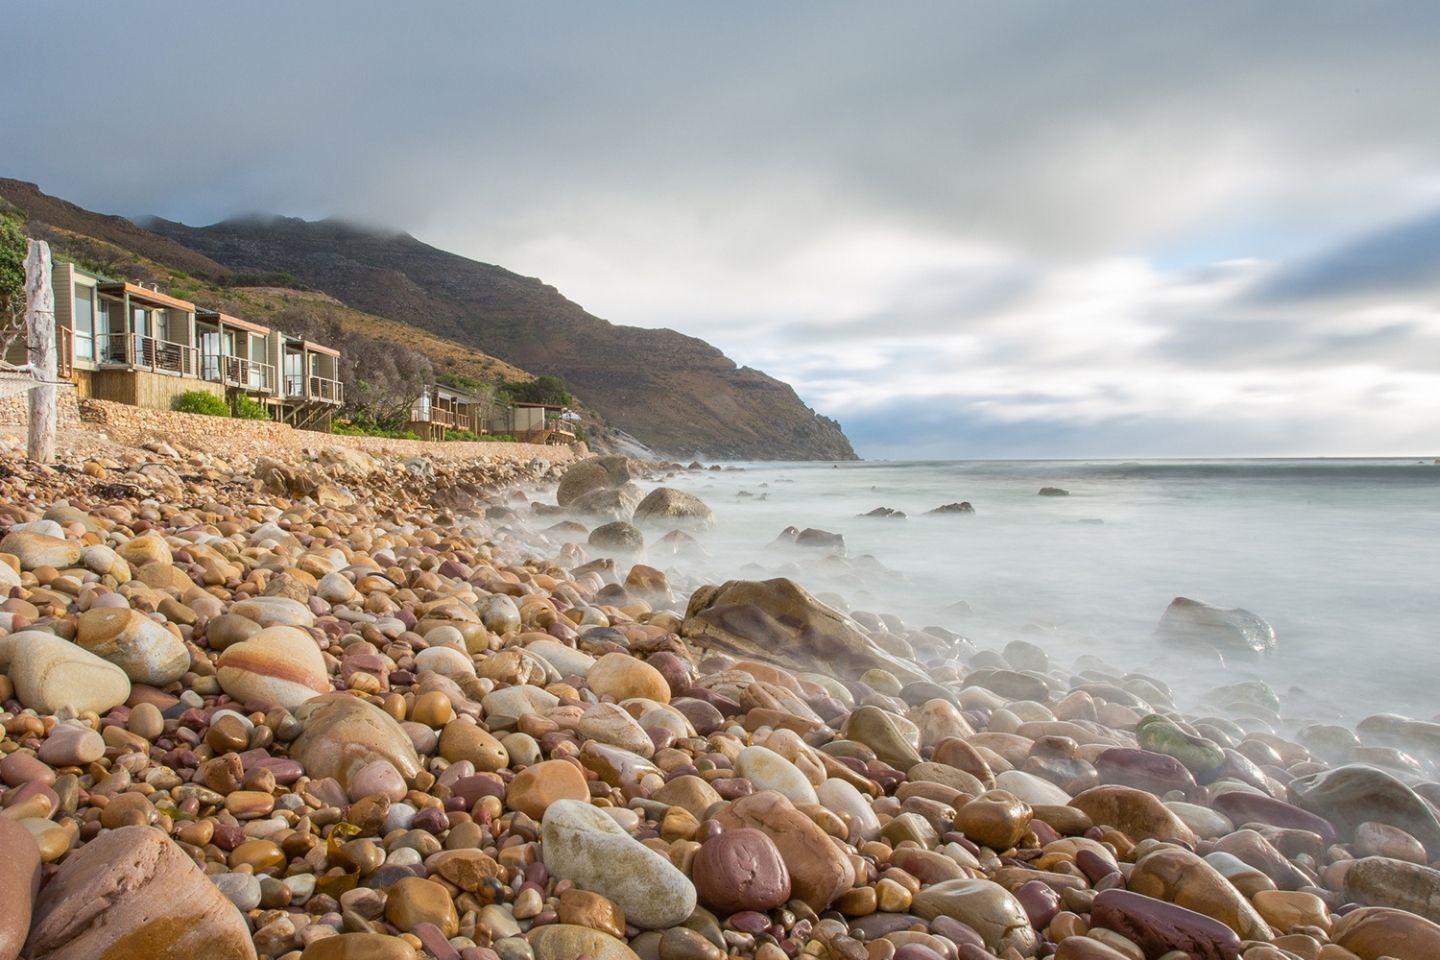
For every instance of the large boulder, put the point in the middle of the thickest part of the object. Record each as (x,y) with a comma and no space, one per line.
(1193,623)
(674,508)
(618,535)
(597,473)
(133,893)
(612,503)
(777,621)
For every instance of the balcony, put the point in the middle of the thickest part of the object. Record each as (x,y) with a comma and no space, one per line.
(140,352)
(326,390)
(238,372)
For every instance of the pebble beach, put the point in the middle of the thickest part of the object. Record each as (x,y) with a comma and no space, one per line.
(384,707)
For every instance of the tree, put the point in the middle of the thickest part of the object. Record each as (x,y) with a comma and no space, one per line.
(12,282)
(545,389)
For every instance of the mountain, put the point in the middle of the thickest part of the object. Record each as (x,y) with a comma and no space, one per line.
(115,247)
(673,392)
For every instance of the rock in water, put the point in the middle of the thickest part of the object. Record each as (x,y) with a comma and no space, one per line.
(1192,623)
(597,473)
(580,843)
(778,621)
(129,894)
(1054,492)
(674,508)
(1351,795)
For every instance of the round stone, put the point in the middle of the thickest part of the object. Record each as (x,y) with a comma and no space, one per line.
(535,788)
(740,870)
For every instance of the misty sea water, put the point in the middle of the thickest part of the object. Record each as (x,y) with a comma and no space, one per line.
(1342,557)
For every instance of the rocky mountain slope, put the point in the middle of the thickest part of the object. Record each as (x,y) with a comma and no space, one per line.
(674,392)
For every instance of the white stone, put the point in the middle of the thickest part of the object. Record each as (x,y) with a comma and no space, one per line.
(581,844)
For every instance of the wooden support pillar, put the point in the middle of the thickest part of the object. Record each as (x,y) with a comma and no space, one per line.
(40,338)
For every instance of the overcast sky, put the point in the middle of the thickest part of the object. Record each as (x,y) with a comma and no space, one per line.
(964,230)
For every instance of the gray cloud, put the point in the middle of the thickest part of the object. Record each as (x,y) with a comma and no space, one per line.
(1398,258)
(1047,224)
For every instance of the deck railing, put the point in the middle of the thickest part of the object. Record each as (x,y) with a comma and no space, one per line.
(149,353)
(323,388)
(238,372)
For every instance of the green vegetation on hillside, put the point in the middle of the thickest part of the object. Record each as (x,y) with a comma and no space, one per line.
(199,401)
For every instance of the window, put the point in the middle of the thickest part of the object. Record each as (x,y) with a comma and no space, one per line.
(255,378)
(84,323)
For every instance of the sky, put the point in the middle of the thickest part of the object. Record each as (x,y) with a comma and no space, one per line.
(1020,229)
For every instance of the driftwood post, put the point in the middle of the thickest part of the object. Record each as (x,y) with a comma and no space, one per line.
(40,337)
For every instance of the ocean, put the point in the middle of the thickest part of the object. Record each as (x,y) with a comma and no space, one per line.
(1342,557)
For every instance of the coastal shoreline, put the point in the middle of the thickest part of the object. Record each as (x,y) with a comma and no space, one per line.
(358,705)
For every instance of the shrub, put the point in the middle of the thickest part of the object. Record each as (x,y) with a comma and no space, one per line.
(198,401)
(246,408)
(347,429)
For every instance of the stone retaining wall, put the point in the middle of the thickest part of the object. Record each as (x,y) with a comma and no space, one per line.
(15,403)
(252,438)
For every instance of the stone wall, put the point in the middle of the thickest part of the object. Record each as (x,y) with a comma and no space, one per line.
(252,438)
(15,403)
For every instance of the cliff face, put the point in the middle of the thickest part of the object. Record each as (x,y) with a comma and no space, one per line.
(675,393)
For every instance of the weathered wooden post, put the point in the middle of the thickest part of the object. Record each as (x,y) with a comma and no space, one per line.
(40,337)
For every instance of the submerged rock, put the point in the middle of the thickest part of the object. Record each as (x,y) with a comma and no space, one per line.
(1192,623)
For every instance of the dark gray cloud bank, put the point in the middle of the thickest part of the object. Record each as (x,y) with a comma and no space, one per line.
(1032,229)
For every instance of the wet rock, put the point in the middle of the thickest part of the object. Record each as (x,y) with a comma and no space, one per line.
(1135,813)
(984,906)
(618,535)
(1350,795)
(674,508)
(1192,623)
(622,677)
(1376,933)
(19,882)
(535,788)
(597,473)
(563,941)
(1180,877)
(1383,882)
(40,550)
(777,621)
(1158,927)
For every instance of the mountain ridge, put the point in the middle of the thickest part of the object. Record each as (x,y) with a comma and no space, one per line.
(675,392)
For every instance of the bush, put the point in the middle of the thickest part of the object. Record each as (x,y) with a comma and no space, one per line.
(198,401)
(246,408)
(347,429)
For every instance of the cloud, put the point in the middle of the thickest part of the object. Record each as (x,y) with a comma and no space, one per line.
(1086,228)
(1395,259)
